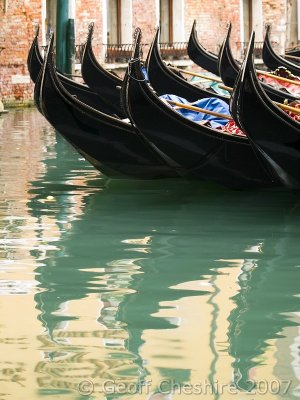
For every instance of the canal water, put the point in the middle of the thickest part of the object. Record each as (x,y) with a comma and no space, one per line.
(136,290)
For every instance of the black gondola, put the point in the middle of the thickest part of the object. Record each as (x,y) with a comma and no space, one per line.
(273,60)
(197,53)
(274,134)
(111,145)
(81,91)
(205,152)
(229,69)
(164,80)
(98,78)
(34,58)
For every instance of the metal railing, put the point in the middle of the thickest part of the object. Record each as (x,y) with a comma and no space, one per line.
(78,53)
(258,46)
(121,53)
(174,51)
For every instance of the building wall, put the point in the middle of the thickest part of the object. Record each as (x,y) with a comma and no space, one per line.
(274,12)
(88,11)
(212,18)
(145,16)
(17,27)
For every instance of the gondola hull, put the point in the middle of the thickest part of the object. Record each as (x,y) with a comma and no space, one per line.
(200,55)
(229,69)
(164,81)
(81,91)
(205,153)
(99,79)
(112,146)
(273,134)
(273,60)
(34,58)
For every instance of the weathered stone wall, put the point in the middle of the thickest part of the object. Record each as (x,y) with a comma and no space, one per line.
(17,27)
(145,17)
(88,11)
(212,18)
(274,12)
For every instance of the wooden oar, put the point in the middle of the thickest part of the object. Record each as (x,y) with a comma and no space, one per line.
(209,78)
(280,105)
(198,109)
(288,108)
(228,88)
(278,78)
(292,57)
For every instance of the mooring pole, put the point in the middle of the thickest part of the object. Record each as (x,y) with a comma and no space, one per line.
(71,38)
(62,16)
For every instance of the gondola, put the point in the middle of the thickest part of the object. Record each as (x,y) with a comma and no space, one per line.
(111,145)
(81,91)
(273,60)
(98,78)
(229,69)
(34,58)
(206,153)
(164,80)
(274,134)
(197,53)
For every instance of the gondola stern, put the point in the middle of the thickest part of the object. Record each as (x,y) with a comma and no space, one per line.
(267,49)
(137,43)
(155,44)
(193,38)
(273,60)
(34,58)
(133,73)
(37,31)
(241,82)
(47,68)
(87,54)
(227,66)
(91,29)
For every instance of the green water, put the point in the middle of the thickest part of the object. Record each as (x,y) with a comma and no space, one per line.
(123,289)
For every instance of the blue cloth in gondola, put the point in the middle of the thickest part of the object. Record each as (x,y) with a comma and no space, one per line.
(145,73)
(210,103)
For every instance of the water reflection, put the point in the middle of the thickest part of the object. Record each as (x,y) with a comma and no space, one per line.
(151,285)
(266,305)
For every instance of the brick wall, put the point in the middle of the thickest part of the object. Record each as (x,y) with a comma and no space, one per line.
(88,11)
(212,18)
(144,17)
(17,26)
(274,12)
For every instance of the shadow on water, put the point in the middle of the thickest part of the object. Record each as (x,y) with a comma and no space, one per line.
(129,255)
